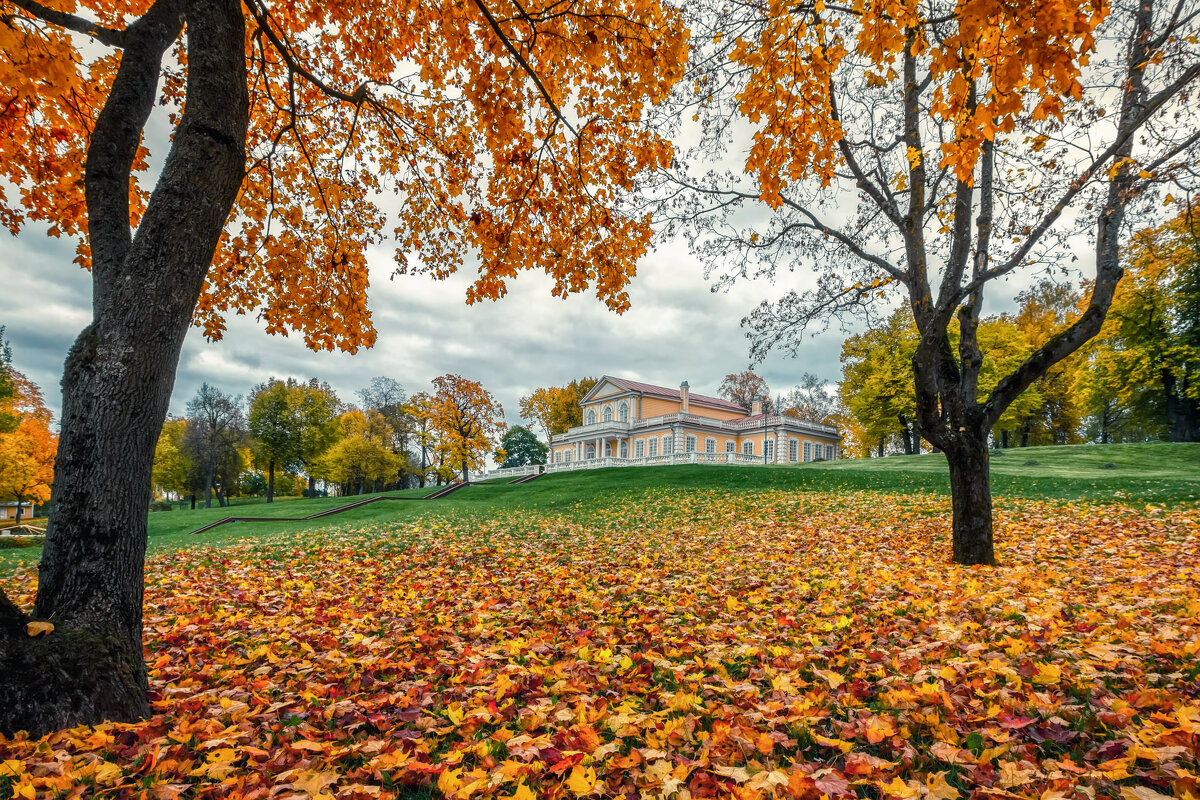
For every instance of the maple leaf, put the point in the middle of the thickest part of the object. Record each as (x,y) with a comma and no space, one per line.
(582,780)
(38,628)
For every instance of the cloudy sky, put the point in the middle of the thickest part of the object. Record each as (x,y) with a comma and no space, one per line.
(678,329)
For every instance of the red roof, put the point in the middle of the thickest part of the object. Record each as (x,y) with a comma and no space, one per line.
(673,394)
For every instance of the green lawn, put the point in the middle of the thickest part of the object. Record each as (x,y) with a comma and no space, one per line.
(1138,474)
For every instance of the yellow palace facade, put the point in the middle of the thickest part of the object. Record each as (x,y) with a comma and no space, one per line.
(628,423)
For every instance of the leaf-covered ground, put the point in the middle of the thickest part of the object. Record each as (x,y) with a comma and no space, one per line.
(696,644)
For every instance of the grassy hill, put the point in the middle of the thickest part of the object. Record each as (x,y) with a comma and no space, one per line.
(1139,474)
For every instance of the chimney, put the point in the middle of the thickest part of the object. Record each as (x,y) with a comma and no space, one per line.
(756,407)
(683,395)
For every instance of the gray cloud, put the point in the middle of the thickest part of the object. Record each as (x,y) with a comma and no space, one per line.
(677,330)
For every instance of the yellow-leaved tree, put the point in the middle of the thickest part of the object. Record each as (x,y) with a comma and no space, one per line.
(510,130)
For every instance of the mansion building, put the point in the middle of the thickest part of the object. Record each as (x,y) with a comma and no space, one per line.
(627,423)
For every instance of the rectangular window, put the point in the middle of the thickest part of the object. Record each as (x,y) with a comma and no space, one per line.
(829,452)
(808,451)
(710,445)
(769,448)
(639,449)
(558,456)
(748,448)
(793,449)
(690,444)
(653,448)
(730,446)
(668,445)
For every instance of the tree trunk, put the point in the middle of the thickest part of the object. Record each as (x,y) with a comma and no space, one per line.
(1183,413)
(312,487)
(19,508)
(971,494)
(119,373)
(880,447)
(193,501)
(271,481)
(906,435)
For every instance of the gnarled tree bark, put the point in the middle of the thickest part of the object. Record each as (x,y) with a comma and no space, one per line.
(120,372)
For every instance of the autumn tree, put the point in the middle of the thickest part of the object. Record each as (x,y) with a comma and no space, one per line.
(27,448)
(275,423)
(511,131)
(468,420)
(419,409)
(174,470)
(1151,340)
(556,409)
(1057,416)
(743,388)
(386,396)
(362,458)
(216,428)
(931,150)
(520,447)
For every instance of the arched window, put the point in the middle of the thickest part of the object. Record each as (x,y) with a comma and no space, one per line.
(608,413)
(590,452)
(624,449)
(607,449)
(624,415)
(591,416)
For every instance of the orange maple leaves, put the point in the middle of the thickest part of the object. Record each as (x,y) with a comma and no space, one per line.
(406,120)
(735,645)
(990,64)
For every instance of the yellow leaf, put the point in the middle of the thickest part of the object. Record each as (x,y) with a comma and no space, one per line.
(825,741)
(38,628)
(898,788)
(938,788)
(832,678)
(448,782)
(582,780)
(1142,793)
(314,782)
(1047,674)
(522,793)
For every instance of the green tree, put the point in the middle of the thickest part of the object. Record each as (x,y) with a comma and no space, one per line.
(275,424)
(876,386)
(1152,337)
(319,411)
(520,447)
